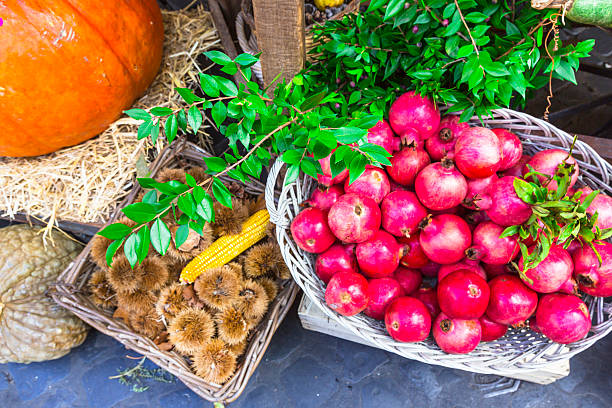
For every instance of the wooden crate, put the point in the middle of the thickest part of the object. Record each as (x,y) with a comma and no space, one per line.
(314,319)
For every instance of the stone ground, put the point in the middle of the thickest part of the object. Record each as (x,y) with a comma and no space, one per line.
(300,369)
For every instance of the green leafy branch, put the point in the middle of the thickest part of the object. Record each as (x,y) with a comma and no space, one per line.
(134,377)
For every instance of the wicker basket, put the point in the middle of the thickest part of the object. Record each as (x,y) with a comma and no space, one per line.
(70,294)
(519,350)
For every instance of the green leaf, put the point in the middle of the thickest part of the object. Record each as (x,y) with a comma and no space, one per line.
(230,68)
(130,250)
(188,96)
(204,204)
(246,60)
(182,120)
(140,212)
(292,156)
(215,164)
(155,133)
(221,193)
(144,130)
(112,250)
(209,85)
(181,235)
(393,7)
(161,111)
(194,117)
(227,87)
(524,190)
(171,128)
(312,101)
(150,197)
(508,232)
(218,57)
(115,231)
(160,236)
(142,243)
(349,134)
(138,114)
(293,171)
(355,96)
(475,17)
(357,167)
(565,71)
(219,113)
(375,5)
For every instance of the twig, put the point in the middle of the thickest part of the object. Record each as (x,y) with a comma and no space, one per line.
(467,28)
(452,62)
(533,30)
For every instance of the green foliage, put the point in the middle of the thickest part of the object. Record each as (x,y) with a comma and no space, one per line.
(136,376)
(424,45)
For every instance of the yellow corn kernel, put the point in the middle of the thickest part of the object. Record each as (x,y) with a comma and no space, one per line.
(228,247)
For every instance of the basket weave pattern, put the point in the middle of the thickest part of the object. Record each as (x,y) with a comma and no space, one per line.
(520,349)
(71,293)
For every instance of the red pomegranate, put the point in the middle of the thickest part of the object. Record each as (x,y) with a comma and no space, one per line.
(440,186)
(489,248)
(517,169)
(463,295)
(407,320)
(442,143)
(594,279)
(551,273)
(465,264)
(381,292)
(382,135)
(569,287)
(444,238)
(412,253)
(401,213)
(324,198)
(602,204)
(429,296)
(477,152)
(431,269)
(547,161)
(338,258)
(347,293)
(510,301)
(496,270)
(406,164)
(326,179)
(372,183)
(490,329)
(511,148)
(456,336)
(478,195)
(378,256)
(310,231)
(414,112)
(411,138)
(563,318)
(409,279)
(506,207)
(354,219)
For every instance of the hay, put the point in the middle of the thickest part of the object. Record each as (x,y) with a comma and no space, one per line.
(84,183)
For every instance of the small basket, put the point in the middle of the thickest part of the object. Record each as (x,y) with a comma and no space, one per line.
(70,293)
(520,350)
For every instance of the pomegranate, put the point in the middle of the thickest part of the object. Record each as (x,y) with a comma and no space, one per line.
(517,169)
(463,295)
(326,179)
(478,195)
(474,218)
(533,325)
(353,218)
(563,318)
(488,247)
(466,264)
(347,293)
(506,207)
(547,161)
(407,319)
(442,143)
(569,287)
(456,336)
(431,269)
(429,297)
(575,245)
(602,204)
(310,231)
(511,148)
(324,198)
(372,183)
(412,253)
(496,270)
(411,138)
(440,186)
(491,330)
(378,256)
(510,301)
(397,187)
(338,258)
(409,279)
(477,152)
(413,111)
(444,238)
(382,135)
(406,164)
(550,274)
(594,279)
(401,213)
(381,292)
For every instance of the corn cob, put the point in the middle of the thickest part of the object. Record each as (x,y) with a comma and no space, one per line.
(228,247)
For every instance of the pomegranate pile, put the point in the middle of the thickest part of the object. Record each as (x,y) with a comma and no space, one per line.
(437,242)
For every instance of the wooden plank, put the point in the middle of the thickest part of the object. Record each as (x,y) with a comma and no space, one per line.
(280,37)
(224,35)
(602,146)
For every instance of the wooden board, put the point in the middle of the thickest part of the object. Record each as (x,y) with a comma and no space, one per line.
(314,319)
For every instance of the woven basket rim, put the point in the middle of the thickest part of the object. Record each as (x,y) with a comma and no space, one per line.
(490,357)
(69,294)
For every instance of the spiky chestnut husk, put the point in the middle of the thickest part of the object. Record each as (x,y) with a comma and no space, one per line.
(175,266)
(191,330)
(100,244)
(121,276)
(215,362)
(136,301)
(237,190)
(152,273)
(228,221)
(264,259)
(167,175)
(193,245)
(235,267)
(148,323)
(252,299)
(256,204)
(198,173)
(171,301)
(218,287)
(270,286)
(102,294)
(232,325)
(238,349)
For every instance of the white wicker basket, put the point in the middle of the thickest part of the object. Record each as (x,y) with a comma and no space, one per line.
(518,350)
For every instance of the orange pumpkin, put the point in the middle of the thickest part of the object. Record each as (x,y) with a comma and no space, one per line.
(68,68)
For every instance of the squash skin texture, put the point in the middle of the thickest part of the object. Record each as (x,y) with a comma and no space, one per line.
(32,326)
(68,68)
